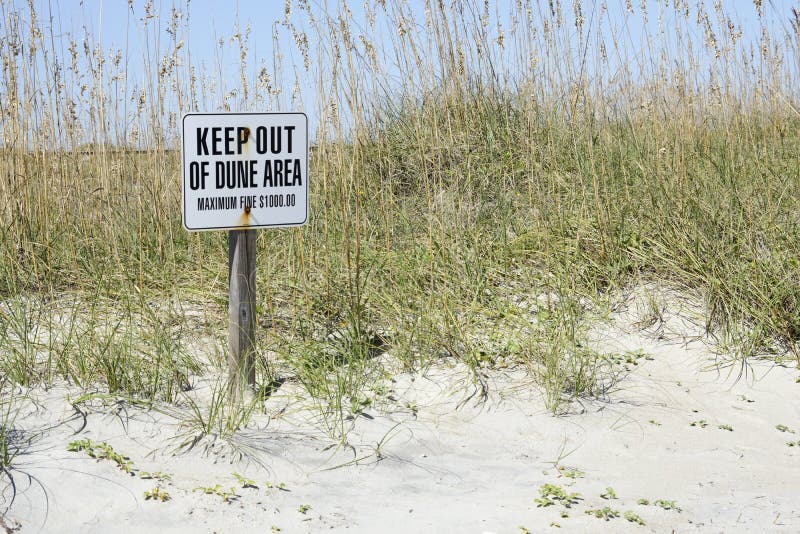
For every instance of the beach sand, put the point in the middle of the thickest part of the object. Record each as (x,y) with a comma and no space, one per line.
(435,456)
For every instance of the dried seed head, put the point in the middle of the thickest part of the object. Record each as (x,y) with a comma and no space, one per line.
(578,12)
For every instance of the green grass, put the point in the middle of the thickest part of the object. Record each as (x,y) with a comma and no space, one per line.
(103,451)
(606,513)
(157,494)
(633,518)
(551,494)
(9,449)
(226,496)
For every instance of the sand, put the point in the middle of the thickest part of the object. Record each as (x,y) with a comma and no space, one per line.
(433,457)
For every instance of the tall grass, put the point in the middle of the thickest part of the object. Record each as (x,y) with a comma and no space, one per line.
(469,158)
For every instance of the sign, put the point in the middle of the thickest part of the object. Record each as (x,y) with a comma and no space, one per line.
(244,170)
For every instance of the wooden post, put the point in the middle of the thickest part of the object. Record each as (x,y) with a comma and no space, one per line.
(241,308)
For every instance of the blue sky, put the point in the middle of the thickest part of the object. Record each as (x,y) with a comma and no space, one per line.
(116,25)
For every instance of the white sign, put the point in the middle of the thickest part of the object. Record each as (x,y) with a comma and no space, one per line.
(244,170)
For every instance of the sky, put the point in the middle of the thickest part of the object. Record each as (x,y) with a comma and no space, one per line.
(117,24)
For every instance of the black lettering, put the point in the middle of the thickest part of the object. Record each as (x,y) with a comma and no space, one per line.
(297,173)
(275,140)
(194,176)
(261,140)
(216,203)
(202,145)
(215,141)
(287,172)
(278,172)
(289,130)
(268,174)
(203,174)
(242,136)
(220,167)
(229,139)
(253,172)
(231,177)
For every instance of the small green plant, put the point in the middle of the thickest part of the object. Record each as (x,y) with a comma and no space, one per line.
(303,508)
(226,496)
(784,428)
(280,486)
(156,475)
(217,420)
(7,454)
(80,445)
(609,494)
(745,399)
(702,423)
(667,505)
(523,530)
(643,502)
(9,448)
(550,494)
(275,528)
(627,358)
(793,443)
(102,451)
(156,494)
(654,422)
(603,513)
(564,514)
(245,482)
(570,472)
(729,428)
(633,518)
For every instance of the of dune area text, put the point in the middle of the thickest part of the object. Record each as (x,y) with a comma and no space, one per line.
(239,173)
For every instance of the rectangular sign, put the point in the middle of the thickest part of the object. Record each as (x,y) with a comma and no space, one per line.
(244,170)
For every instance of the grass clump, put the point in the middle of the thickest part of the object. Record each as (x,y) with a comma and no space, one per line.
(608,494)
(160,476)
(9,449)
(280,486)
(103,451)
(570,472)
(604,513)
(157,494)
(227,496)
(244,481)
(214,421)
(666,504)
(633,518)
(551,494)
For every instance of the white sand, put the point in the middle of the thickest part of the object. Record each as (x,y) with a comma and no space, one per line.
(475,467)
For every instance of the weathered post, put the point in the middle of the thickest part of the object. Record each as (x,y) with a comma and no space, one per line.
(241,308)
(241,172)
